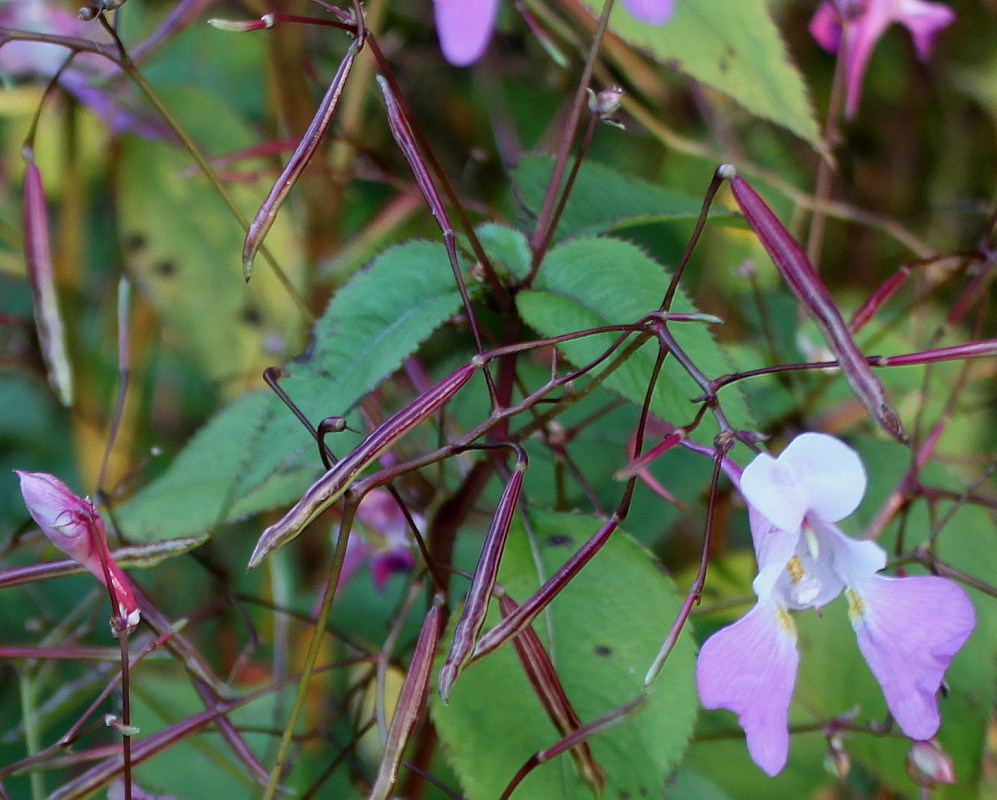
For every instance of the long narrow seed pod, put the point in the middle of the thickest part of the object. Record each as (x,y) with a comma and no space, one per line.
(41,276)
(331,486)
(410,703)
(547,685)
(527,612)
(802,278)
(476,605)
(306,148)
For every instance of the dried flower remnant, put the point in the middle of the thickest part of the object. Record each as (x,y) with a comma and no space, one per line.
(73,525)
(465,26)
(908,629)
(851,28)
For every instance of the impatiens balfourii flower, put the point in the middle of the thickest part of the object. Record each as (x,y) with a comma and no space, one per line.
(465,26)
(383,536)
(908,628)
(73,525)
(851,28)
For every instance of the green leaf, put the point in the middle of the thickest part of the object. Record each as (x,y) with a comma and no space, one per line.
(182,246)
(254,455)
(587,283)
(602,198)
(507,248)
(733,47)
(603,631)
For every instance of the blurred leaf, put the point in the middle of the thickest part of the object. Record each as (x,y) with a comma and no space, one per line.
(587,283)
(733,47)
(602,632)
(603,198)
(182,244)
(254,455)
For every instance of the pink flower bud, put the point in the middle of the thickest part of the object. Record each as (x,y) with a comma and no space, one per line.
(74,526)
(928,764)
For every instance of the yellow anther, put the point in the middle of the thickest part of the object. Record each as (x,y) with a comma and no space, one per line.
(795,570)
(856,605)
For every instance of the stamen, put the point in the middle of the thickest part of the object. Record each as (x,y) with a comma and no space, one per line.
(785,621)
(795,570)
(856,605)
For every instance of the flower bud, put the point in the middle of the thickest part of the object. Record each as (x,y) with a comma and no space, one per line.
(73,525)
(928,764)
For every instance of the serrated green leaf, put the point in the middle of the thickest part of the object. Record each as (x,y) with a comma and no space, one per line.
(605,628)
(254,455)
(733,47)
(506,247)
(587,283)
(603,198)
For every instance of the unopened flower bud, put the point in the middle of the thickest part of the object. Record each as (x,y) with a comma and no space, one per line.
(73,525)
(605,102)
(836,760)
(928,764)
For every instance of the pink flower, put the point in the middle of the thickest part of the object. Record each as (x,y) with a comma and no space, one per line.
(74,526)
(856,25)
(908,629)
(465,26)
(383,537)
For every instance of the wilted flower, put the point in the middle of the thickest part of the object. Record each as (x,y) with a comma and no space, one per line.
(851,28)
(908,629)
(74,526)
(383,537)
(465,26)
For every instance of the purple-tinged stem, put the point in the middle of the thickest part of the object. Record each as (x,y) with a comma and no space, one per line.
(711,191)
(587,731)
(547,686)
(525,614)
(696,589)
(41,277)
(331,486)
(126,715)
(801,277)
(875,301)
(410,702)
(542,233)
(483,582)
(406,141)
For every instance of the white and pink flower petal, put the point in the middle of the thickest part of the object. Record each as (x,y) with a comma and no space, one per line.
(749,668)
(908,630)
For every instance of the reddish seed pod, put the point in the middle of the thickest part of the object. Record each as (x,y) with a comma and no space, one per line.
(41,276)
(334,483)
(802,278)
(475,607)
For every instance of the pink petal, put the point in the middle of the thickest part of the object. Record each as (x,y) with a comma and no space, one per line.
(750,668)
(771,488)
(825,26)
(908,629)
(74,526)
(829,473)
(464,28)
(925,22)
(651,12)
(67,520)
